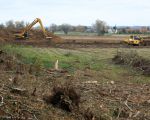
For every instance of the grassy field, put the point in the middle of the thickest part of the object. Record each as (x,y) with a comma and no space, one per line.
(92,58)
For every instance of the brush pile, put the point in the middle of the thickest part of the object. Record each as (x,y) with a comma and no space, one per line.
(132,59)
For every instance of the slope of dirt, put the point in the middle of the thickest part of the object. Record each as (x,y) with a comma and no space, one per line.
(5,35)
(36,37)
(31,92)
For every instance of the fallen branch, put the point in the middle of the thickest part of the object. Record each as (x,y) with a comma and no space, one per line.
(119,113)
(5,118)
(35,117)
(2,101)
(138,112)
(34,92)
(126,103)
(30,113)
(19,91)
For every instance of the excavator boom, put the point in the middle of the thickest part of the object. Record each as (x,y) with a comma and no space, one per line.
(24,33)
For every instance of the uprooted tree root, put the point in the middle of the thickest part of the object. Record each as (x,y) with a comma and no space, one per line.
(134,60)
(64,97)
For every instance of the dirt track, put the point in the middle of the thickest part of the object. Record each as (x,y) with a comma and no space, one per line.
(72,42)
(47,43)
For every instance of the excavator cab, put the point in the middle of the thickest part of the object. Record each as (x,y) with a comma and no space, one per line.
(25,33)
(24,36)
(134,37)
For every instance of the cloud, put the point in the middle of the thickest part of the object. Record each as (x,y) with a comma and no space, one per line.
(121,12)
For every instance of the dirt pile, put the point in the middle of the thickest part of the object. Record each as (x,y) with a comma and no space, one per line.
(35,36)
(38,35)
(6,35)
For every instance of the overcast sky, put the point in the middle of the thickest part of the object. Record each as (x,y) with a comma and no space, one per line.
(75,12)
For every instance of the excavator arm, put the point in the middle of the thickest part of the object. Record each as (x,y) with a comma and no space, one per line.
(24,33)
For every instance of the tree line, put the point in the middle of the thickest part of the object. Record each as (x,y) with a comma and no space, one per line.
(100,27)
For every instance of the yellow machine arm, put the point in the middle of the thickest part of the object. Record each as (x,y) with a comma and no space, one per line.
(24,33)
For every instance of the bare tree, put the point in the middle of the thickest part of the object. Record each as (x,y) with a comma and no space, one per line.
(19,24)
(65,28)
(2,26)
(100,27)
(10,24)
(53,28)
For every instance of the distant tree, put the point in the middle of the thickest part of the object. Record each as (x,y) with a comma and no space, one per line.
(65,28)
(10,24)
(124,30)
(19,24)
(53,28)
(80,28)
(100,27)
(2,26)
(143,29)
(73,28)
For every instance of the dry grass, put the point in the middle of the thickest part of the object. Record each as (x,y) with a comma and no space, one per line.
(93,39)
(131,58)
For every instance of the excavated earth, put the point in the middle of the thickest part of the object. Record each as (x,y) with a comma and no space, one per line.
(36,38)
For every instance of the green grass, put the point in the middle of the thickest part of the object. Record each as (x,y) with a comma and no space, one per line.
(96,59)
(68,59)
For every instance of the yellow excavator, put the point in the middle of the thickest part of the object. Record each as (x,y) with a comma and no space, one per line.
(25,33)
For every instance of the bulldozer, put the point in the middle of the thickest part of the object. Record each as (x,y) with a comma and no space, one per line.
(135,40)
(25,33)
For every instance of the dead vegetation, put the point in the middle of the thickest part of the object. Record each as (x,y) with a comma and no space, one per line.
(132,59)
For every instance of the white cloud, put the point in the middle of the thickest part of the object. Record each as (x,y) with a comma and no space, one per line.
(120,12)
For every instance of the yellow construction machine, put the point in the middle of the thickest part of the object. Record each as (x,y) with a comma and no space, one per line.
(25,33)
(134,40)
